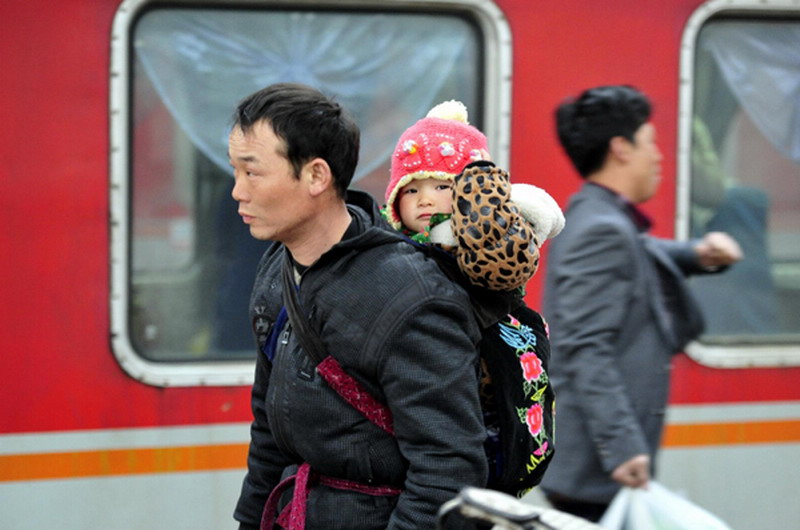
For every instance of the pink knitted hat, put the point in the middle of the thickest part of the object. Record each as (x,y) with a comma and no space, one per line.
(438,146)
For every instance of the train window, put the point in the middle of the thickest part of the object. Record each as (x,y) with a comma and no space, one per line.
(182,260)
(741,160)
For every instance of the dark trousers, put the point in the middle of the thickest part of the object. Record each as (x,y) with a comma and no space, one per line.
(591,511)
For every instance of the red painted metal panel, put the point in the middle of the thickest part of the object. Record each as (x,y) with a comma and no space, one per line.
(561,48)
(58,371)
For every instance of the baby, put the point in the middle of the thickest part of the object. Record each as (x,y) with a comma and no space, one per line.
(485,233)
(497,228)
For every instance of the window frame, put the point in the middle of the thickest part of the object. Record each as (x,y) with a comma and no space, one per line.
(744,353)
(497,67)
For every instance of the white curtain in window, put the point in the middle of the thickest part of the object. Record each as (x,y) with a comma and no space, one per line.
(761,64)
(386,70)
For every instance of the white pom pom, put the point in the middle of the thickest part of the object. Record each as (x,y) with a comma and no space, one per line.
(449,110)
(539,209)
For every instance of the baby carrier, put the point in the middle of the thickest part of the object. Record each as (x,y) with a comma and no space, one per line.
(516,396)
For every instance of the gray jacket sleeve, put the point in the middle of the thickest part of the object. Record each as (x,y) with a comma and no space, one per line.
(683,255)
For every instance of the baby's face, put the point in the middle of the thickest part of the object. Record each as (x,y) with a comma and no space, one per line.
(420,199)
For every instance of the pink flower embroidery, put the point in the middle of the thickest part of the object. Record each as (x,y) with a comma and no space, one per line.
(514,321)
(542,449)
(531,366)
(534,419)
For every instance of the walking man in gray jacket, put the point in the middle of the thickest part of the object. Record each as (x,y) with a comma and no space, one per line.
(617,303)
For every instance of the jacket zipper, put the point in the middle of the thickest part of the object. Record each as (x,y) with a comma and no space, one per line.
(281,356)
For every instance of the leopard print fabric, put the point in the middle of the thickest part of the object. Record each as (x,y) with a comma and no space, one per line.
(497,249)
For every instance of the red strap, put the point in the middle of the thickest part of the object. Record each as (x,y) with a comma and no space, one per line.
(293,516)
(355,394)
(350,485)
(295,511)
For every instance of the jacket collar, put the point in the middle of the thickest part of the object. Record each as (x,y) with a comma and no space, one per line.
(640,219)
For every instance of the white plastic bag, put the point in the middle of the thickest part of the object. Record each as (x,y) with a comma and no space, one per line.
(657,508)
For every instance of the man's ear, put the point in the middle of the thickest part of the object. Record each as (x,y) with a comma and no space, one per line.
(319,175)
(620,147)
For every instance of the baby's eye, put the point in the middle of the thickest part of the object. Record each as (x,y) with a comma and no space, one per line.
(446,186)
(409,190)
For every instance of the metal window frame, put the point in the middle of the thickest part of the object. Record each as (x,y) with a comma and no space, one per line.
(497,126)
(744,354)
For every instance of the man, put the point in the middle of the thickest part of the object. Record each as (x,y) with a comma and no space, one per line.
(617,303)
(381,308)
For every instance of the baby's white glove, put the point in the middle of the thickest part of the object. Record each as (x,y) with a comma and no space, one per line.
(536,206)
(539,209)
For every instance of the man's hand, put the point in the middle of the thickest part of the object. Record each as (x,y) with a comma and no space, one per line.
(634,473)
(718,249)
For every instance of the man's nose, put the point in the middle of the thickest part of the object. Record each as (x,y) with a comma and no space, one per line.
(238,192)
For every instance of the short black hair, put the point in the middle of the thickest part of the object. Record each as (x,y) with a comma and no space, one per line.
(309,123)
(587,123)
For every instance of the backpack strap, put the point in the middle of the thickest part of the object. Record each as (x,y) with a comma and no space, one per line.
(328,367)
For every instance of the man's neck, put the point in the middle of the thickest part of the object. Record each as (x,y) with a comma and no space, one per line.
(612,180)
(323,231)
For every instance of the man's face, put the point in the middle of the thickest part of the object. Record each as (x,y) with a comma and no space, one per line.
(420,199)
(645,164)
(271,200)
